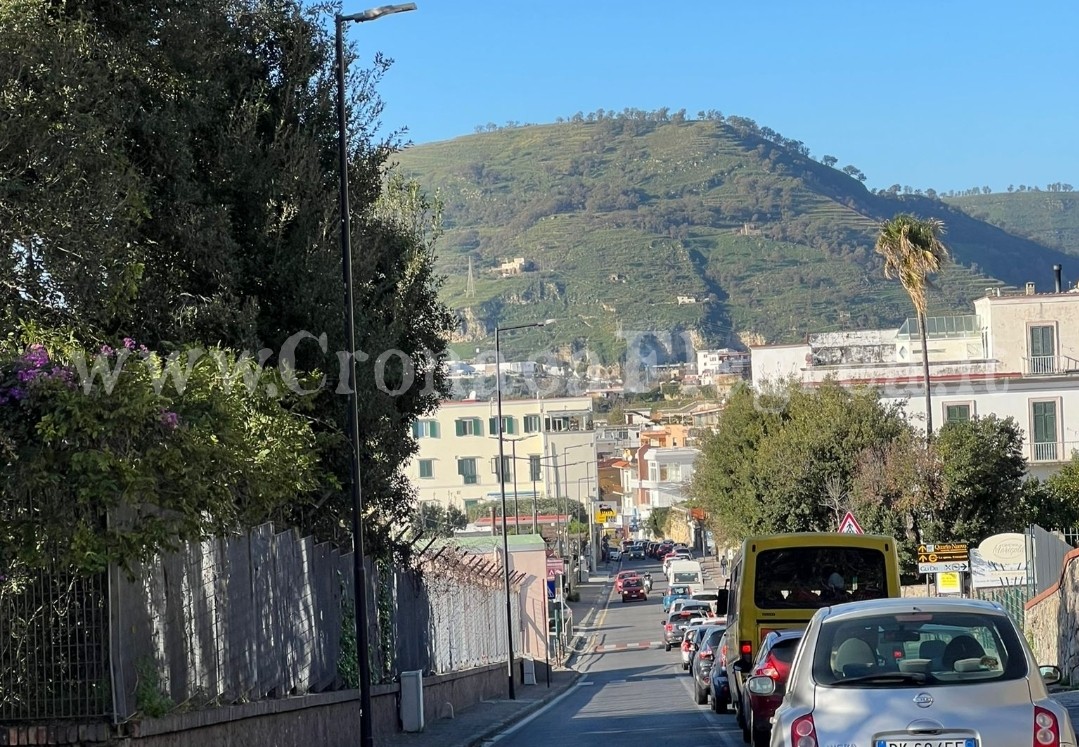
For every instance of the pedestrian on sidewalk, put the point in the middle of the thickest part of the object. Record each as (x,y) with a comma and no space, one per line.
(723,565)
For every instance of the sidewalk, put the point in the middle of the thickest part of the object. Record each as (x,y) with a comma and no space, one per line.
(485,719)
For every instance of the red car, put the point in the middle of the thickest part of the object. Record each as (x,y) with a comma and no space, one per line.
(621,577)
(774,661)
(633,588)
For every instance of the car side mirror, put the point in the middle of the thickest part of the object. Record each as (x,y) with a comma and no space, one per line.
(1050,673)
(740,666)
(760,685)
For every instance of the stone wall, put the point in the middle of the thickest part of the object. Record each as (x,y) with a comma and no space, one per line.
(1052,618)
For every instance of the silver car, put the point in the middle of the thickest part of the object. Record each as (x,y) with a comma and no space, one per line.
(915,672)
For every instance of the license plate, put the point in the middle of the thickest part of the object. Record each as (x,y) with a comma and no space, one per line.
(926,743)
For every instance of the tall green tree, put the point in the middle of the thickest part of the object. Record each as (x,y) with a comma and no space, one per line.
(168,172)
(982,468)
(912,251)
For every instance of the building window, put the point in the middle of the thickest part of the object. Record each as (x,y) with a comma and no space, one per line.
(1043,349)
(509,425)
(466,468)
(506,473)
(532,423)
(426,429)
(427,469)
(557,424)
(957,412)
(469,427)
(534,467)
(1043,417)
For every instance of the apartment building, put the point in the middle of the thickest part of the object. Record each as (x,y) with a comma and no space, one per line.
(1016,356)
(549,450)
(656,474)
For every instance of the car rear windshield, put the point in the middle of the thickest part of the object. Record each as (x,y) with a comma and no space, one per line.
(686,577)
(916,648)
(812,577)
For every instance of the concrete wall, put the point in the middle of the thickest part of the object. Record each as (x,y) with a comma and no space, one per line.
(1052,618)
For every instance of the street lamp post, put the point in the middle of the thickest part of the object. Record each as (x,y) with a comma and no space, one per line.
(502,487)
(359,574)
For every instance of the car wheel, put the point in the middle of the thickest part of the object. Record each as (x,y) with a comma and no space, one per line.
(666,647)
(746,735)
(714,703)
(702,696)
(684,666)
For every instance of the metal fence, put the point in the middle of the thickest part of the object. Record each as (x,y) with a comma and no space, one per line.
(259,616)
(54,653)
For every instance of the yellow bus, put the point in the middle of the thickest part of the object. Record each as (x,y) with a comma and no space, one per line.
(778,581)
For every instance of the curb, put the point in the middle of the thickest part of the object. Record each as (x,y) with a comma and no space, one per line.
(498,727)
(577,646)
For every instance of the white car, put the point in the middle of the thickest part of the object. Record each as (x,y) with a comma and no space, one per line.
(906,672)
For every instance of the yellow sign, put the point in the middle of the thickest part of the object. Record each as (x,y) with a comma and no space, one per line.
(949,583)
(940,553)
(605,512)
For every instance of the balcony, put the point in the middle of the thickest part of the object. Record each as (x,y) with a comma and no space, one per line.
(1052,451)
(1051,365)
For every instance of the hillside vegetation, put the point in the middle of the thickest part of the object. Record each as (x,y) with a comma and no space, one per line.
(1048,217)
(617,217)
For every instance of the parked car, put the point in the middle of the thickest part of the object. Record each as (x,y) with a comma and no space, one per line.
(773,660)
(673,594)
(621,578)
(674,628)
(636,552)
(872,672)
(703,661)
(614,554)
(633,589)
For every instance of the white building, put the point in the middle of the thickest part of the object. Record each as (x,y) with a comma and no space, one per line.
(1016,356)
(553,441)
(713,363)
(656,477)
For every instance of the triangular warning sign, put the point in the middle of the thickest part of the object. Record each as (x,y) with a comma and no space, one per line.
(850,525)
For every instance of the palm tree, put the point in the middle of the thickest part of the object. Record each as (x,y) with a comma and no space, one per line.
(912,251)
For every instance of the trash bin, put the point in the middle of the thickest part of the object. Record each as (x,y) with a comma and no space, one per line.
(412,701)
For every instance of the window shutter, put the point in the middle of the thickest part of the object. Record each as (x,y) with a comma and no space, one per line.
(416,429)
(492,426)
(510,427)
(477,426)
(460,424)
(435,429)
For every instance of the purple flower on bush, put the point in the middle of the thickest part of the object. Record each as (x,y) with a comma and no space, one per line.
(36,355)
(170,419)
(106,350)
(27,375)
(16,393)
(129,343)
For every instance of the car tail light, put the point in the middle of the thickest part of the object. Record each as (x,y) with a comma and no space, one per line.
(768,668)
(804,732)
(1046,728)
(668,627)
(706,654)
(723,655)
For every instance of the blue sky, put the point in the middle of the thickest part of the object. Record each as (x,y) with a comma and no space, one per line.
(943,94)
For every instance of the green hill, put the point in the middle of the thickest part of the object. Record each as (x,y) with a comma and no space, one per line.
(1050,218)
(618,217)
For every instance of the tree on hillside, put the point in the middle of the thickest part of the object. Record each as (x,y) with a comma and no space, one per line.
(912,251)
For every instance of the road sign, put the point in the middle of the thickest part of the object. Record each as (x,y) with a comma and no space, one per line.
(949,583)
(605,512)
(850,525)
(952,552)
(944,567)
(555,566)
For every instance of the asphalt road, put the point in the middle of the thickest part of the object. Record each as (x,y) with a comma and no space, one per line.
(632,691)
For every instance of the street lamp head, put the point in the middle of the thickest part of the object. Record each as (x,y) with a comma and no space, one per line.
(373,13)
